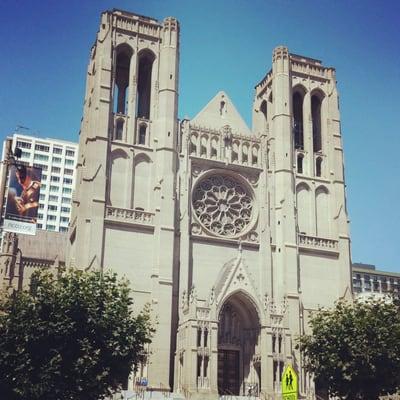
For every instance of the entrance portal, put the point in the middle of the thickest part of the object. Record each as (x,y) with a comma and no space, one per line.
(238,357)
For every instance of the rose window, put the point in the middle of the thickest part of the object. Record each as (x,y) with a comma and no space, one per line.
(222,205)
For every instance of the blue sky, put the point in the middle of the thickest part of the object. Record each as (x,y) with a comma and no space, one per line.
(227,45)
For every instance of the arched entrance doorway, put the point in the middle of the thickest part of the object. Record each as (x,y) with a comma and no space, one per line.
(239,369)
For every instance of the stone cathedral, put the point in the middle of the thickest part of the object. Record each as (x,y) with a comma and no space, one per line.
(233,235)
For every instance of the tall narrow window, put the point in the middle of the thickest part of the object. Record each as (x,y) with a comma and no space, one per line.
(144,85)
(122,80)
(205,337)
(273,343)
(142,134)
(198,337)
(318,166)
(298,120)
(119,128)
(263,109)
(300,158)
(316,121)
(222,109)
(205,367)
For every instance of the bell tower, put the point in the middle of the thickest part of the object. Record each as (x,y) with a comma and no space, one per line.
(123,215)
(296,110)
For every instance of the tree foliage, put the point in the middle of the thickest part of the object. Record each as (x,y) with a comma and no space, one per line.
(70,337)
(354,349)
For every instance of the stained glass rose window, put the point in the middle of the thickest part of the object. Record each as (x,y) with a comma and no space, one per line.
(223,205)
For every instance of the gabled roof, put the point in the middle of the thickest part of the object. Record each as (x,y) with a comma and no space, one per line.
(219,112)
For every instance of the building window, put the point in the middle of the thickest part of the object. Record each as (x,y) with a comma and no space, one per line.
(43,187)
(40,216)
(66,200)
(56,170)
(25,154)
(65,209)
(56,160)
(63,229)
(44,177)
(69,162)
(51,217)
(51,228)
(316,122)
(318,166)
(300,158)
(42,195)
(68,181)
(39,226)
(70,153)
(53,188)
(263,109)
(52,207)
(42,147)
(41,166)
(122,79)
(41,206)
(23,145)
(53,198)
(55,179)
(119,129)
(142,134)
(41,157)
(64,219)
(67,190)
(298,120)
(68,171)
(146,60)
(57,150)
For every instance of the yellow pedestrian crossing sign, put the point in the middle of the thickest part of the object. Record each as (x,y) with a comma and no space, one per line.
(289,384)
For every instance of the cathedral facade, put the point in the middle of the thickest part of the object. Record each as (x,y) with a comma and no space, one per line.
(233,235)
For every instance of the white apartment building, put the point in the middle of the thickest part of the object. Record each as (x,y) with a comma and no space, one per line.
(57,159)
(368,281)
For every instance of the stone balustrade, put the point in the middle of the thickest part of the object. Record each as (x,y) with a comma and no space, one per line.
(127,215)
(317,243)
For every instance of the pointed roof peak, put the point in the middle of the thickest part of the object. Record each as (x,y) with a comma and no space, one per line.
(219,112)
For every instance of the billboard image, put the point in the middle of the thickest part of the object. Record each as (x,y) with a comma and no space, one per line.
(23,199)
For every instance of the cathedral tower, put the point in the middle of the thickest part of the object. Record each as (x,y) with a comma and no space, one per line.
(296,108)
(124,206)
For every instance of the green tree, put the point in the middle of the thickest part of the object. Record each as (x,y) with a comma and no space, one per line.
(354,349)
(70,337)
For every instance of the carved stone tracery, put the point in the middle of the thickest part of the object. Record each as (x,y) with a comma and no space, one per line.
(223,205)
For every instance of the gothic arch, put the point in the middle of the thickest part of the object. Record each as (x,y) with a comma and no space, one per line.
(147,53)
(317,97)
(124,48)
(141,182)
(318,92)
(123,57)
(238,345)
(322,211)
(304,203)
(299,88)
(145,72)
(322,188)
(246,297)
(298,95)
(119,168)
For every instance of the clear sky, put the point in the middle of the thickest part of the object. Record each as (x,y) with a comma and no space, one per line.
(227,45)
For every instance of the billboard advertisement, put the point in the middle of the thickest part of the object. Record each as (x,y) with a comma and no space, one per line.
(22,199)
